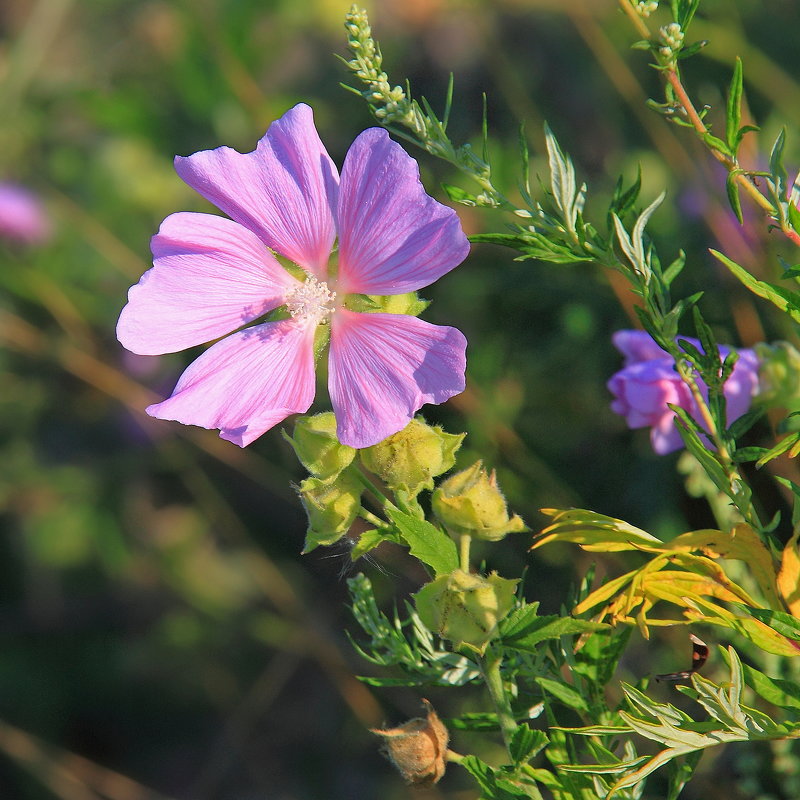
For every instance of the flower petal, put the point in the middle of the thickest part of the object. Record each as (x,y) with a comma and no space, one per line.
(284,191)
(384,367)
(246,383)
(393,237)
(209,277)
(637,346)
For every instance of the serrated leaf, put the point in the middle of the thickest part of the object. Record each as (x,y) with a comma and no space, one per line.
(428,543)
(525,636)
(526,743)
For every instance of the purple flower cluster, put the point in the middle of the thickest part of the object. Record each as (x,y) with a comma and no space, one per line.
(648,382)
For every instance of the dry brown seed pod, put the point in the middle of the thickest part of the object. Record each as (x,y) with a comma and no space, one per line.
(417,748)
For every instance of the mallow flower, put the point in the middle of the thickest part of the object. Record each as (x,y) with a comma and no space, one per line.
(648,382)
(213,276)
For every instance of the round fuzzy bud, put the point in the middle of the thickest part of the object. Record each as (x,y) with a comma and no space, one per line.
(471,503)
(410,459)
(417,748)
(465,608)
(316,446)
(332,506)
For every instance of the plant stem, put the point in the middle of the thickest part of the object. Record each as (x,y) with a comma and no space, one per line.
(463,549)
(490,669)
(636,20)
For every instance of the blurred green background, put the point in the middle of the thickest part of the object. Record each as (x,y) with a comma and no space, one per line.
(160,635)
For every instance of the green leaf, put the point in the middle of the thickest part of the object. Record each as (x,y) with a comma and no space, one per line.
(681,772)
(732,190)
(781,622)
(475,721)
(733,118)
(431,545)
(597,659)
(458,195)
(795,490)
(526,743)
(794,216)
(716,143)
(690,50)
(785,694)
(784,299)
(562,178)
(526,636)
(789,444)
(742,425)
(563,692)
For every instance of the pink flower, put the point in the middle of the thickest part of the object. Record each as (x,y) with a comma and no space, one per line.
(22,216)
(649,381)
(212,276)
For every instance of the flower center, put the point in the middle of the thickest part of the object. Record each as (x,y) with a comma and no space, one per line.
(311,301)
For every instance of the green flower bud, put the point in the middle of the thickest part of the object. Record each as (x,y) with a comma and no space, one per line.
(411,458)
(471,503)
(332,507)
(779,375)
(464,608)
(316,446)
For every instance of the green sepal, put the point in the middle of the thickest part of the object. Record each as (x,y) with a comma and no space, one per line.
(409,303)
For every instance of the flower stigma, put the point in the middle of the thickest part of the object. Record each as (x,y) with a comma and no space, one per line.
(311,301)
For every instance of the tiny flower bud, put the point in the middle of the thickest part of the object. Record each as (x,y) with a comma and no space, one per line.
(778,375)
(410,459)
(316,446)
(470,502)
(417,748)
(332,507)
(466,608)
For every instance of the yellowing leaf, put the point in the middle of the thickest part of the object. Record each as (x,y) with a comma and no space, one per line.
(789,574)
(592,531)
(742,543)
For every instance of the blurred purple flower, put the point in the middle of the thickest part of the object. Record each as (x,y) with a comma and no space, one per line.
(648,382)
(22,216)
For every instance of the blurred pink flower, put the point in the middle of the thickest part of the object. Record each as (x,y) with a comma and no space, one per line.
(648,381)
(22,216)
(213,275)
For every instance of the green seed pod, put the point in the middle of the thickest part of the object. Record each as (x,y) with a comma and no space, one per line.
(332,507)
(411,458)
(316,446)
(465,608)
(471,503)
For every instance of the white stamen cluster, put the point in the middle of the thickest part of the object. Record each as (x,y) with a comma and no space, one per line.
(311,301)
(646,7)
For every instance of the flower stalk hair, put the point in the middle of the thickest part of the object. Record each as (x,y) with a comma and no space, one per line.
(214,277)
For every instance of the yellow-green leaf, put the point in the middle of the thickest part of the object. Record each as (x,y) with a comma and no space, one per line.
(789,574)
